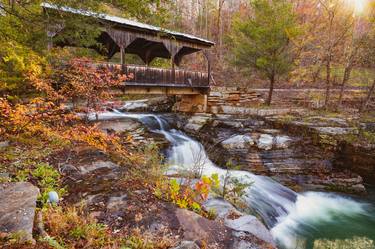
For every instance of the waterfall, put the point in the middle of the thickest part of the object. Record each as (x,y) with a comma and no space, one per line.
(291,217)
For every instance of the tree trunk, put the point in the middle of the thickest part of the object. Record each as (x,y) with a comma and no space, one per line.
(328,83)
(368,98)
(347,72)
(219,27)
(272,84)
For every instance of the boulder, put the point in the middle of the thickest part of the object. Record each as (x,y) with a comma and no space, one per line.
(238,142)
(17,209)
(265,142)
(249,224)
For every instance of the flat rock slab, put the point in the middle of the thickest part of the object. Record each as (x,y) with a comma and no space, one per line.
(251,225)
(17,208)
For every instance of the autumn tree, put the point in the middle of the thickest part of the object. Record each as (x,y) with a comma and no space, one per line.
(79,80)
(263,40)
(23,38)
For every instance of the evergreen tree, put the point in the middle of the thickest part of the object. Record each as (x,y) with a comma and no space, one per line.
(262,41)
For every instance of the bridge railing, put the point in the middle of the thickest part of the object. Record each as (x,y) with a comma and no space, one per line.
(150,76)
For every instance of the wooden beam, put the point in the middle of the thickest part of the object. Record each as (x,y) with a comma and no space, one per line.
(164,90)
(173,70)
(122,58)
(208,57)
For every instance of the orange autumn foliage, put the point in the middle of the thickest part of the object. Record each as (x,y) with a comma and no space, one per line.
(48,122)
(79,79)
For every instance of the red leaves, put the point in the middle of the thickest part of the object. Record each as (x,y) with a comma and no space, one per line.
(80,79)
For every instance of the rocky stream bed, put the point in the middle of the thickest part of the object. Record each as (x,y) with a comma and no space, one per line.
(259,149)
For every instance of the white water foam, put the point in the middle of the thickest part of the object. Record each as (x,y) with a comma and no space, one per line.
(283,210)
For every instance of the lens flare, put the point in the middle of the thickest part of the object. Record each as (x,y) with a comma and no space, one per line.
(358,5)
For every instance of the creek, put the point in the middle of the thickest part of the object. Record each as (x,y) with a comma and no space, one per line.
(296,220)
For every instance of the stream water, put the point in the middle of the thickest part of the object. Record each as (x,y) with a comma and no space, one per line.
(296,220)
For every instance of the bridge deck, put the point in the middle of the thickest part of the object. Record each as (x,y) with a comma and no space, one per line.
(144,76)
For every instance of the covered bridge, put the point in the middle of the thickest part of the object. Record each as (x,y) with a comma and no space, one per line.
(148,42)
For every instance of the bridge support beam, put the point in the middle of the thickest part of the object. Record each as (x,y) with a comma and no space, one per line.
(163,90)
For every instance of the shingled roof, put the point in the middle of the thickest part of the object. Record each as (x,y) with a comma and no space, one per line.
(134,25)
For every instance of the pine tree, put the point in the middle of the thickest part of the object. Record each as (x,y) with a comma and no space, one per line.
(263,41)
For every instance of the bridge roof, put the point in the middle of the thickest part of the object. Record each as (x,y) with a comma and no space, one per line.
(133,25)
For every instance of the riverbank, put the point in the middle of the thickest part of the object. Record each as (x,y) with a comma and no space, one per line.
(124,195)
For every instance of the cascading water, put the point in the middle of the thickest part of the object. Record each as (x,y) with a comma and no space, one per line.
(295,220)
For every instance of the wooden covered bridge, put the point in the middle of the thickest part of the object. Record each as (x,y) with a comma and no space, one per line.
(148,42)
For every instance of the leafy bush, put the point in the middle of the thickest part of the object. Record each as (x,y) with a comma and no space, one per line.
(187,195)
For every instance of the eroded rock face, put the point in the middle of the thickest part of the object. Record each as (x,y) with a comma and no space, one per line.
(282,142)
(295,161)
(17,209)
(196,122)
(238,142)
(265,142)
(157,104)
(339,135)
(118,126)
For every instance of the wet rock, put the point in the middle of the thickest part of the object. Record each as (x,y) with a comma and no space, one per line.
(136,105)
(238,142)
(196,122)
(246,228)
(158,104)
(187,245)
(17,209)
(265,142)
(222,207)
(282,142)
(118,126)
(250,225)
